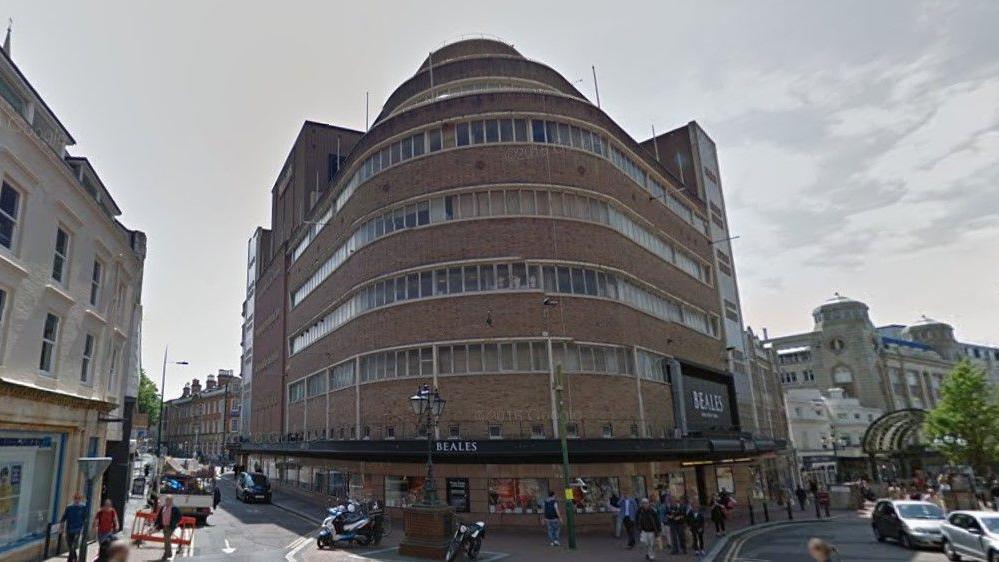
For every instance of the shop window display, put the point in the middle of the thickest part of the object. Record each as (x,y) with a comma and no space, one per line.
(599,490)
(403,491)
(517,495)
(725,478)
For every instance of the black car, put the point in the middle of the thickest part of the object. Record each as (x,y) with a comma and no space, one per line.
(253,486)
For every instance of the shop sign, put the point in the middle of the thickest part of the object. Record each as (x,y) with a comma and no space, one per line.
(457,446)
(707,403)
(42,442)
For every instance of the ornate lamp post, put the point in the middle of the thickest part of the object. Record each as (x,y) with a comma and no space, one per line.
(429,524)
(428,407)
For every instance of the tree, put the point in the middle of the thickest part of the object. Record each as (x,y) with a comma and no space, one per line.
(148,400)
(967,415)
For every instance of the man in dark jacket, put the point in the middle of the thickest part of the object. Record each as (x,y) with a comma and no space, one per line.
(695,522)
(802,495)
(167,519)
(677,520)
(648,524)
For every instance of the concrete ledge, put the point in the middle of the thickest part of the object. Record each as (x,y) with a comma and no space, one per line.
(719,550)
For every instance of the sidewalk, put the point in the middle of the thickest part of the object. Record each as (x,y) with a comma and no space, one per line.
(523,545)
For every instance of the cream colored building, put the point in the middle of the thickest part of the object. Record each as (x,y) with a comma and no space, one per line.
(891,367)
(70,288)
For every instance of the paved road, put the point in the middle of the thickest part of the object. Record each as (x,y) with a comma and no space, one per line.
(852,537)
(238,531)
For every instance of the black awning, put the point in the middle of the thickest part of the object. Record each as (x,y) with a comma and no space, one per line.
(726,445)
(510,451)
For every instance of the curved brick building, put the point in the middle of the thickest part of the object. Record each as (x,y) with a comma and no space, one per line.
(492,225)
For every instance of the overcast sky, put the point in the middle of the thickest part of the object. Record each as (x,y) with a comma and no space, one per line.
(859,141)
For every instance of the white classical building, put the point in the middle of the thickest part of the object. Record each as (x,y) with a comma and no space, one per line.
(827,430)
(70,289)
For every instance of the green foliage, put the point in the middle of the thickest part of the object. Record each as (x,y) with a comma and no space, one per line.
(148,400)
(969,409)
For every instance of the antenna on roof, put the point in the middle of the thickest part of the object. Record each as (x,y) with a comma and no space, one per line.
(6,41)
(596,88)
(655,142)
(367,95)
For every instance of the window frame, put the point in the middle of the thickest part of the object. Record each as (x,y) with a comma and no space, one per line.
(60,260)
(87,359)
(96,282)
(53,346)
(18,213)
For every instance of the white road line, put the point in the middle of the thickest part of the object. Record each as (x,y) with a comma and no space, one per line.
(290,556)
(228,549)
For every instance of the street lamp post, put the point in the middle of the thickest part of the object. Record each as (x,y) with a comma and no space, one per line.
(428,407)
(91,468)
(159,430)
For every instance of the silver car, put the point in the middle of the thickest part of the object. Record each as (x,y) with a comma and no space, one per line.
(972,534)
(911,523)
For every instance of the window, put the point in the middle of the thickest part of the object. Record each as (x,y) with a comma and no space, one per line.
(61,255)
(3,306)
(537,431)
(96,277)
(496,432)
(390,432)
(725,479)
(403,491)
(113,368)
(50,331)
(454,431)
(517,495)
(10,200)
(572,430)
(88,358)
(607,431)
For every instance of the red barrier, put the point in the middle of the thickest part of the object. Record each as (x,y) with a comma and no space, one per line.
(144,530)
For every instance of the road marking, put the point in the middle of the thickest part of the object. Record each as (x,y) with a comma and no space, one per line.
(228,549)
(303,542)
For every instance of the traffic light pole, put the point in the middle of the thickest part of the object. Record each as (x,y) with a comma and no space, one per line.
(570,515)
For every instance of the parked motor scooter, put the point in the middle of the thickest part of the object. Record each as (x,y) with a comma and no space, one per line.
(467,537)
(351,523)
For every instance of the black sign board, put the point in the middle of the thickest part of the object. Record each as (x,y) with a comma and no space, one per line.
(707,403)
(458,495)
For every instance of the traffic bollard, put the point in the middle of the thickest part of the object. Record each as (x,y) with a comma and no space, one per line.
(790,514)
(766,512)
(818,514)
(752,517)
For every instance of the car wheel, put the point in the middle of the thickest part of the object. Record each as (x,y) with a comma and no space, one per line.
(950,552)
(878,535)
(905,541)
(993,557)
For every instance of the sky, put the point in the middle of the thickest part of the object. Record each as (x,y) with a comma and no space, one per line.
(858,141)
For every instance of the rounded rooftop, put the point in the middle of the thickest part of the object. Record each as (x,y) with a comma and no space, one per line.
(470,48)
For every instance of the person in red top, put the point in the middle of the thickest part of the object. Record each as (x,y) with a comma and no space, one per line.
(106,521)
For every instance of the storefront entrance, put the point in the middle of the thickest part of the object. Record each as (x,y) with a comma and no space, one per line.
(30,470)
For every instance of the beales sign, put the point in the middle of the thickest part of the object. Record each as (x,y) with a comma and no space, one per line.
(457,446)
(707,403)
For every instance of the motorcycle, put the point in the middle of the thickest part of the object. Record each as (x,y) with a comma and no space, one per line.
(467,537)
(352,523)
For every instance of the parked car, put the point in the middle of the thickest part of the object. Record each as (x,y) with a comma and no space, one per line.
(972,534)
(911,523)
(253,486)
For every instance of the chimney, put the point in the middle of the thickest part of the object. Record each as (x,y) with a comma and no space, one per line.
(187,391)
(195,386)
(225,377)
(210,382)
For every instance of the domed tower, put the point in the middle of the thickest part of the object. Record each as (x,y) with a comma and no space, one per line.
(937,335)
(491,205)
(847,347)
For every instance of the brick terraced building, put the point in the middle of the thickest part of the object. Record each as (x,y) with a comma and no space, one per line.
(492,224)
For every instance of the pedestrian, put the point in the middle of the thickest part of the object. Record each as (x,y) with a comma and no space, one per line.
(216,497)
(994,492)
(648,524)
(802,495)
(167,519)
(627,513)
(72,523)
(677,532)
(106,521)
(552,519)
(662,511)
(695,522)
(718,517)
(820,550)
